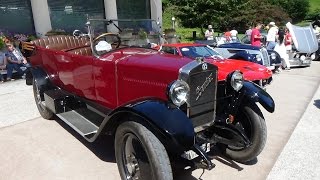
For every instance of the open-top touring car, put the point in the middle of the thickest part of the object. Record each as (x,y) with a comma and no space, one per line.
(159,107)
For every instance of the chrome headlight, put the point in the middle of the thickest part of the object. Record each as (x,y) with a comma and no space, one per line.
(273,55)
(179,92)
(236,80)
(258,57)
(313,56)
(302,57)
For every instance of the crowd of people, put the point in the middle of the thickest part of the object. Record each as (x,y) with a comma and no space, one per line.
(277,39)
(12,59)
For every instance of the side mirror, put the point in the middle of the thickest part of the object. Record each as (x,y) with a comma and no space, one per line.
(77,33)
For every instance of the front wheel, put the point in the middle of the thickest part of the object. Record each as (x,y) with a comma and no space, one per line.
(251,121)
(140,154)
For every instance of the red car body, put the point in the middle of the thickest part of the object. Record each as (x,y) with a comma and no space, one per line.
(106,79)
(251,71)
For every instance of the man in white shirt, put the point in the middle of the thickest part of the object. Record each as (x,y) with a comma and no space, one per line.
(272,36)
(234,34)
(209,33)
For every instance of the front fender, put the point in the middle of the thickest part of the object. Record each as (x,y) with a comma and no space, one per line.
(169,121)
(254,93)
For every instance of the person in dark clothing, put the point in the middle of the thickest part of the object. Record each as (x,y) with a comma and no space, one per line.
(15,61)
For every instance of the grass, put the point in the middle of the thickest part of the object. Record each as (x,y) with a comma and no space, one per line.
(314,4)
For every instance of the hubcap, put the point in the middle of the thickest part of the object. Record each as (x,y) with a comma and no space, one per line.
(134,159)
(38,97)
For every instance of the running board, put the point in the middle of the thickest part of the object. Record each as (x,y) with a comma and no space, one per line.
(79,123)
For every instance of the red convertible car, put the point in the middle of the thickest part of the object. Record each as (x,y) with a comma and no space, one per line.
(251,71)
(158,107)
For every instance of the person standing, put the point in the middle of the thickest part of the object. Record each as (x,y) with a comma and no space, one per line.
(280,48)
(256,35)
(234,34)
(272,36)
(248,32)
(209,33)
(288,41)
(15,60)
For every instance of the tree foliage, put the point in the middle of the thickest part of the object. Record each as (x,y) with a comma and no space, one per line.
(296,9)
(224,14)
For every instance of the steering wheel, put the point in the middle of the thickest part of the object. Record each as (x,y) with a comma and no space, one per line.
(108,38)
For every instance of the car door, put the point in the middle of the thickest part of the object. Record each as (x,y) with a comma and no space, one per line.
(75,73)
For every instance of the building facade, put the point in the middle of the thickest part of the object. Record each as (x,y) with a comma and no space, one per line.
(40,16)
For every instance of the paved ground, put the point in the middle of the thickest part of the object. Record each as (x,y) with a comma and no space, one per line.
(34,148)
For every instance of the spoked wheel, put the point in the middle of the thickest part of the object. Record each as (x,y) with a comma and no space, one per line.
(250,120)
(38,96)
(139,154)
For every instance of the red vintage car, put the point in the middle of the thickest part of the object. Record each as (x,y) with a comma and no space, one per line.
(251,71)
(159,107)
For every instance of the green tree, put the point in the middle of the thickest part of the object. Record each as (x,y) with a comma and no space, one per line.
(296,9)
(224,14)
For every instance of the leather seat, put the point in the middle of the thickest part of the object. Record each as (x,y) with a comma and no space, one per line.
(61,42)
(84,51)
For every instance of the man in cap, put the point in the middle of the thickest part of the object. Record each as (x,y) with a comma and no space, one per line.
(272,36)
(209,33)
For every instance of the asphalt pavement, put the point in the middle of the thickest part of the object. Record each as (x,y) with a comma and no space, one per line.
(34,148)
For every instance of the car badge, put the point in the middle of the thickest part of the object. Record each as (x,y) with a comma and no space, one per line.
(203,87)
(204,66)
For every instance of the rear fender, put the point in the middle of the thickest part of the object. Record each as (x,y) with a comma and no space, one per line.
(40,76)
(254,93)
(170,123)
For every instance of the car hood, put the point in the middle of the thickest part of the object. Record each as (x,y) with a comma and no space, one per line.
(251,71)
(304,38)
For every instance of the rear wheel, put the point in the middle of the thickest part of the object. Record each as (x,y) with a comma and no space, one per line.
(251,121)
(38,96)
(140,154)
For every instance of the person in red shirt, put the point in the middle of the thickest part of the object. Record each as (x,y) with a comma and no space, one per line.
(256,36)
(288,40)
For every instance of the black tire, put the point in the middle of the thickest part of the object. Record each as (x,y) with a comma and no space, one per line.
(146,157)
(38,97)
(252,121)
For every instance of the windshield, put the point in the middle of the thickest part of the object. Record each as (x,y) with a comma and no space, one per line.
(141,32)
(199,51)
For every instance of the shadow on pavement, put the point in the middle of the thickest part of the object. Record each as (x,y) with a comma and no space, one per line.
(103,147)
(317,103)
(215,155)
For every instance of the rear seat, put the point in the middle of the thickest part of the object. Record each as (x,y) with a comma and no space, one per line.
(84,51)
(61,42)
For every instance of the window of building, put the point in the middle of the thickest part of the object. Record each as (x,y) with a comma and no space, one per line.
(133,9)
(71,15)
(16,17)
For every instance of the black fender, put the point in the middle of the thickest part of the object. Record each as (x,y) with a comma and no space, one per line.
(40,76)
(254,93)
(244,55)
(167,121)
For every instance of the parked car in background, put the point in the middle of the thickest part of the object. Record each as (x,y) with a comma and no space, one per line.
(268,58)
(251,71)
(305,47)
(159,107)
